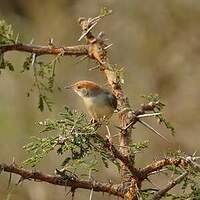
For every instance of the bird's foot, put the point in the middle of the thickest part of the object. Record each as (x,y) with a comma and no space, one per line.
(96,123)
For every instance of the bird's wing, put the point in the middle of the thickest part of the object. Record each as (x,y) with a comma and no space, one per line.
(113,101)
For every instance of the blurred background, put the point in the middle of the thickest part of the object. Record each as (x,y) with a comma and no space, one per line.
(156,41)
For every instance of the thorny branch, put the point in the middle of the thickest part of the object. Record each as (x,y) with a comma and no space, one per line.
(39,50)
(98,52)
(113,189)
(158,165)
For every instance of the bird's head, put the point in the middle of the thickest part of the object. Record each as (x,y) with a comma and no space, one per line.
(85,88)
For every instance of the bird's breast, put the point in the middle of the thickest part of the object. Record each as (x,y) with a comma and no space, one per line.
(99,106)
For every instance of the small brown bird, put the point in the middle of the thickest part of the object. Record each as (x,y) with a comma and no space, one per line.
(99,102)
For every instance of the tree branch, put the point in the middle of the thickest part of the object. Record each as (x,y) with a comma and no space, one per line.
(161,193)
(78,50)
(113,189)
(124,159)
(98,52)
(158,165)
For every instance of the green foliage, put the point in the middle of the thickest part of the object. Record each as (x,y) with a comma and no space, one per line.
(139,147)
(156,100)
(44,100)
(105,12)
(39,148)
(27,64)
(5,64)
(146,194)
(190,189)
(44,79)
(189,186)
(66,174)
(6,33)
(6,37)
(117,72)
(44,73)
(73,138)
(176,154)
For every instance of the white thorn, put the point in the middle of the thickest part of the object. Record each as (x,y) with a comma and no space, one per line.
(152,129)
(148,115)
(33,59)
(95,67)
(108,46)
(91,193)
(101,35)
(109,134)
(88,30)
(82,59)
(17,37)
(31,42)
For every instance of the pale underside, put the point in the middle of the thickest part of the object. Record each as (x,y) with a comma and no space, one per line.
(99,108)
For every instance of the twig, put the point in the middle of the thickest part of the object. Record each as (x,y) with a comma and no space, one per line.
(161,193)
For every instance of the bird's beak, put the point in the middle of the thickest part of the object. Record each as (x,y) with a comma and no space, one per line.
(69,87)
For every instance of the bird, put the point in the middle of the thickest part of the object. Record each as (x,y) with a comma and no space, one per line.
(100,102)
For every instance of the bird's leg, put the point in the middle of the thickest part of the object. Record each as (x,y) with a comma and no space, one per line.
(95,122)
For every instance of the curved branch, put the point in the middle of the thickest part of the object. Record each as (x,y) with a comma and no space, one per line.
(126,161)
(123,158)
(56,180)
(78,50)
(158,165)
(161,193)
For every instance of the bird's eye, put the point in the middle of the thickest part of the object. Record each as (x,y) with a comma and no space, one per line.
(79,87)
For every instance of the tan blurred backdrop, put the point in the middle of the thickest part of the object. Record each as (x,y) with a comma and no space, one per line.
(156,41)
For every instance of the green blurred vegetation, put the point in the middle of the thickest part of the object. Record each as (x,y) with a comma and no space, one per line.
(158,42)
